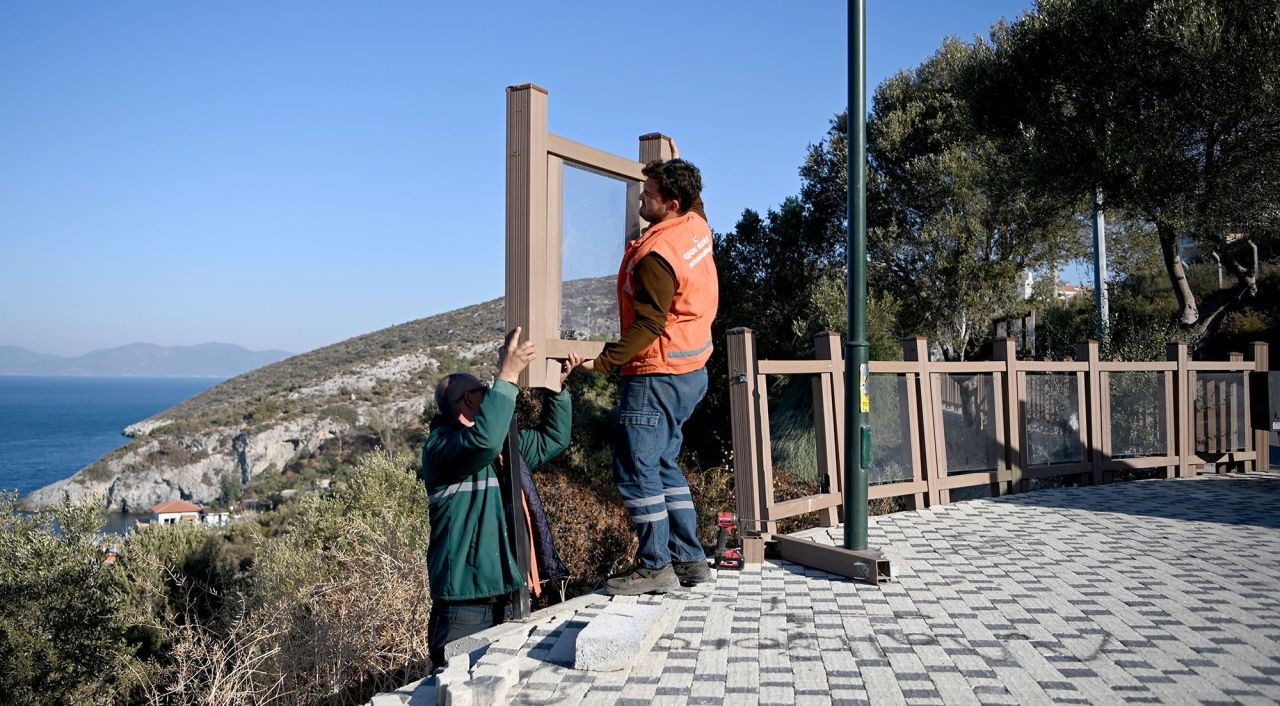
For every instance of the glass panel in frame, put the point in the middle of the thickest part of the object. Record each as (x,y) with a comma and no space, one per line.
(1053,419)
(890,430)
(793,442)
(969,422)
(1219,417)
(1137,414)
(594,221)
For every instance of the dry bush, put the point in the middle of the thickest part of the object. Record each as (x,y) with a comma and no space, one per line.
(592,530)
(337,610)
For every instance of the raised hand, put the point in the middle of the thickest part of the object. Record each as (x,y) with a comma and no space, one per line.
(567,367)
(515,356)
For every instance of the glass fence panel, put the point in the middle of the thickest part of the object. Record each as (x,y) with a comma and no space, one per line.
(793,444)
(1219,415)
(1052,418)
(594,219)
(890,430)
(1137,414)
(969,422)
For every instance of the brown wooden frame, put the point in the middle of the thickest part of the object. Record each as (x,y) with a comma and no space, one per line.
(535,173)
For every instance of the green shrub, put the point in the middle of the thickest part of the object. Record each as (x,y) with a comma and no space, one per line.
(62,639)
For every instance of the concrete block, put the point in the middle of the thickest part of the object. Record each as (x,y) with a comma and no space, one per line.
(459,694)
(489,690)
(455,674)
(506,667)
(615,638)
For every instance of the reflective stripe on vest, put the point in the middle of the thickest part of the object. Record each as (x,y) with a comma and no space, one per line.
(685,243)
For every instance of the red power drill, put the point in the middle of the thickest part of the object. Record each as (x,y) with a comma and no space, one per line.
(727,558)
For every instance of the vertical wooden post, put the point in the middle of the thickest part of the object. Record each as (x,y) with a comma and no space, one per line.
(1168,420)
(1092,413)
(745,418)
(1006,350)
(915,349)
(1230,422)
(1261,437)
(828,421)
(1184,407)
(653,146)
(554,277)
(527,246)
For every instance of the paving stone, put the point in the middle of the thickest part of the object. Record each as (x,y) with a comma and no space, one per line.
(1144,592)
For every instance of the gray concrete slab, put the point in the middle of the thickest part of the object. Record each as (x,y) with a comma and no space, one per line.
(1161,591)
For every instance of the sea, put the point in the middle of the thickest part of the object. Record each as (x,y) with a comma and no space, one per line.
(51,427)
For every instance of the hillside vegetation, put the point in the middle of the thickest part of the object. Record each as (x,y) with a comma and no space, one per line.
(308,417)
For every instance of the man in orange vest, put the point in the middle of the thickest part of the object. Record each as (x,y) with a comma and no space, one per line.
(667,297)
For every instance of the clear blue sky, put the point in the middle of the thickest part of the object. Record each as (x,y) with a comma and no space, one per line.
(290,174)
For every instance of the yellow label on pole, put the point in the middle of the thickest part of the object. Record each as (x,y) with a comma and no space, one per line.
(866,399)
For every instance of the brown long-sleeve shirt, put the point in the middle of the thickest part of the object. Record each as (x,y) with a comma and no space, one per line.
(655,283)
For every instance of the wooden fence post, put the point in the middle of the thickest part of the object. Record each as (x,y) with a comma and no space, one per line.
(1261,438)
(915,349)
(1006,350)
(1183,408)
(828,428)
(527,247)
(1095,412)
(746,425)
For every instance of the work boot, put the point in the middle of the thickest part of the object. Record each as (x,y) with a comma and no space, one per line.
(643,580)
(691,573)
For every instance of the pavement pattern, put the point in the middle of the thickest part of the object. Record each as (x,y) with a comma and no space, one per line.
(1157,591)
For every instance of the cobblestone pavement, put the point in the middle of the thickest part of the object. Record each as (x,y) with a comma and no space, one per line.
(1161,591)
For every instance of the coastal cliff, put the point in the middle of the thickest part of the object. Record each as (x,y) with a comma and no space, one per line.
(306,415)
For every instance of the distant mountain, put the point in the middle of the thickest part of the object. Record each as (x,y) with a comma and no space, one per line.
(142,359)
(14,357)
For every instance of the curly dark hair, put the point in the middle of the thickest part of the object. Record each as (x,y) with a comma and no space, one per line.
(677,179)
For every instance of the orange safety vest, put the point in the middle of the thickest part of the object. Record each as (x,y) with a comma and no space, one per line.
(685,344)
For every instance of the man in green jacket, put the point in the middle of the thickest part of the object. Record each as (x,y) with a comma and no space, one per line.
(471,562)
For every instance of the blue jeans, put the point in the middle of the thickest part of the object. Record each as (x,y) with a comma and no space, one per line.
(651,416)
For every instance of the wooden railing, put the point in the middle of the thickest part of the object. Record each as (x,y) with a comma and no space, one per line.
(1001,423)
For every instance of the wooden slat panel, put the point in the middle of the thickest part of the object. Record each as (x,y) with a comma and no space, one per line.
(967,480)
(1134,367)
(559,348)
(799,506)
(967,367)
(893,366)
(1218,366)
(893,490)
(592,158)
(797,367)
(1065,469)
(1061,366)
(1117,464)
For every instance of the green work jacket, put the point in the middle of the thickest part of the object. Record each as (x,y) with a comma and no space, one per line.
(470,555)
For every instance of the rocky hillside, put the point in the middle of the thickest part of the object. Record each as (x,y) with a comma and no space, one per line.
(312,408)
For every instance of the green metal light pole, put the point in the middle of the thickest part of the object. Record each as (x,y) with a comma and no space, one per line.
(857,425)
